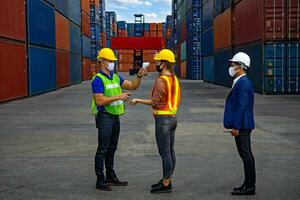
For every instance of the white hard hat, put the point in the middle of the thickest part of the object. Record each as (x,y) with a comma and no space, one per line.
(242,58)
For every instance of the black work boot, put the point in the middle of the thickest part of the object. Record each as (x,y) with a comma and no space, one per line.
(160,188)
(240,187)
(112,179)
(101,184)
(155,185)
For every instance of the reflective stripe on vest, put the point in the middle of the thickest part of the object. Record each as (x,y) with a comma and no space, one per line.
(173,97)
(111,88)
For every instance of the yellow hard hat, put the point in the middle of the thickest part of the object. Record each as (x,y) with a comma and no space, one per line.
(165,54)
(106,53)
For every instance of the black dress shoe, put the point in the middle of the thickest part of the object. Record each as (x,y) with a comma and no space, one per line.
(244,191)
(160,188)
(101,185)
(239,188)
(155,185)
(112,179)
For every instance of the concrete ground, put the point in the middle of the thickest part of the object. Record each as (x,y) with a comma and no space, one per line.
(48,142)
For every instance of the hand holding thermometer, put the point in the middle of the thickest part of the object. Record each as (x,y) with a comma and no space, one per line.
(145,65)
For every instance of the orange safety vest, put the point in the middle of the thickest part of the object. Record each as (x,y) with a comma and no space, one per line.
(173,97)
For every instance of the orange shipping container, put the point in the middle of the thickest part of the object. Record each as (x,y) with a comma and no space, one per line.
(62,32)
(223,30)
(160,26)
(85,24)
(86,69)
(125,51)
(85,6)
(124,67)
(146,33)
(153,26)
(94,2)
(125,57)
(153,33)
(159,34)
(63,73)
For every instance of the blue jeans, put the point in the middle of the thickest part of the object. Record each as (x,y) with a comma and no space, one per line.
(165,128)
(108,136)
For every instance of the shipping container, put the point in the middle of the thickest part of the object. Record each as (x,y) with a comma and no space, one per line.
(42,70)
(208,69)
(128,57)
(207,42)
(76,70)
(207,15)
(74,8)
(183,51)
(75,38)
(85,24)
(183,69)
(193,21)
(62,7)
(221,65)
(62,28)
(41,23)
(63,72)
(86,47)
(125,67)
(270,19)
(13,70)
(86,69)
(293,18)
(85,6)
(222,30)
(12,23)
(153,26)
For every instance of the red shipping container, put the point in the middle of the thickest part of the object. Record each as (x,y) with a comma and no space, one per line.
(169,33)
(137,43)
(125,51)
(256,20)
(85,6)
(183,31)
(93,68)
(62,32)
(63,73)
(95,2)
(122,33)
(153,26)
(222,30)
(293,7)
(12,19)
(183,69)
(13,71)
(86,69)
(85,24)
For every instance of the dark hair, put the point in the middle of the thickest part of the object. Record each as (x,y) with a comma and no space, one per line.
(169,66)
(242,65)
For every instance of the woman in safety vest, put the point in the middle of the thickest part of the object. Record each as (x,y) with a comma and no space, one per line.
(165,99)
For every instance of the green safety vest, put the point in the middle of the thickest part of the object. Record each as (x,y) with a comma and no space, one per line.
(111,88)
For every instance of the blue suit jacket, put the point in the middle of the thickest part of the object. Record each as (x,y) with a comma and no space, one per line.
(239,106)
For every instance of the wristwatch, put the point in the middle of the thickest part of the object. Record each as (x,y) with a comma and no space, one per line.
(139,76)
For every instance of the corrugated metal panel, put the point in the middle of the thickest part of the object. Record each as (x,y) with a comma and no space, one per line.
(222,64)
(293,22)
(222,30)
(85,24)
(86,47)
(74,11)
(63,72)
(42,70)
(209,69)
(207,15)
(62,7)
(95,48)
(41,23)
(86,69)
(293,67)
(76,74)
(183,51)
(12,23)
(193,21)
(85,6)
(183,69)
(75,38)
(13,71)
(208,42)
(62,32)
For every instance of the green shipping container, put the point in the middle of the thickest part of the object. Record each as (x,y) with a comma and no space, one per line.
(183,51)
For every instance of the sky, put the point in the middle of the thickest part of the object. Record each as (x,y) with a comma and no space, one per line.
(154,10)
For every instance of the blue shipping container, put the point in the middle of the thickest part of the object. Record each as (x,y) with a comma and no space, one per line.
(193,21)
(75,38)
(208,42)
(293,69)
(218,7)
(221,65)
(42,70)
(62,6)
(41,23)
(51,2)
(75,68)
(147,27)
(74,8)
(207,15)
(86,47)
(95,48)
(209,69)
(121,25)
(194,69)
(193,4)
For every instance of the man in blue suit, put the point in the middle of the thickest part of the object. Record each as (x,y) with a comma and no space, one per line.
(239,117)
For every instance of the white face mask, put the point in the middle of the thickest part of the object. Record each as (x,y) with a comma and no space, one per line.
(111,66)
(231,71)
